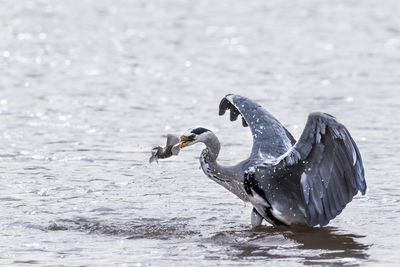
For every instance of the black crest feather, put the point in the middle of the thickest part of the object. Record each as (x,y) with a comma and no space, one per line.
(199,130)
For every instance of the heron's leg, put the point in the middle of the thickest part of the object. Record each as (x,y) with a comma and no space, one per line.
(256,218)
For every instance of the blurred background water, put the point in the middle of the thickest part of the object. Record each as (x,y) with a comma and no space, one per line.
(88,87)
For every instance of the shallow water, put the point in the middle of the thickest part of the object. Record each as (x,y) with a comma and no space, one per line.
(88,88)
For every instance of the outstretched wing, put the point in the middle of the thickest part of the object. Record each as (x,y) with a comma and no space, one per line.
(331,167)
(269,135)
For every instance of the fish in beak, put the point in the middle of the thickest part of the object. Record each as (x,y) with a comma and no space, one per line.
(185,141)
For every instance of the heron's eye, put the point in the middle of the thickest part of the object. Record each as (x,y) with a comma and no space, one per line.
(192,137)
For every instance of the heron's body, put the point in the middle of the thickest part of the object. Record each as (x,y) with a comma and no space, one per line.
(287,182)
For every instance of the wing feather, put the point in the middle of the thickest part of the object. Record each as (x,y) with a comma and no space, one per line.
(269,135)
(331,166)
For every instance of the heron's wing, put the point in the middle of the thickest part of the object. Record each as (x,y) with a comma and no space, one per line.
(330,165)
(269,135)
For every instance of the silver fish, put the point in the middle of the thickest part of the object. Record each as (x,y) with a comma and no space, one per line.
(171,149)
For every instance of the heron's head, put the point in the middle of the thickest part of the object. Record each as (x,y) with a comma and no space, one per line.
(193,136)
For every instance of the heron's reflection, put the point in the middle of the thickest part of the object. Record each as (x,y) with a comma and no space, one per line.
(309,245)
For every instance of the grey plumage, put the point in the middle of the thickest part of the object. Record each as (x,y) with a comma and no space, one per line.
(330,167)
(305,182)
(269,136)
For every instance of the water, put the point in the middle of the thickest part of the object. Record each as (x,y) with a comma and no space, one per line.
(88,87)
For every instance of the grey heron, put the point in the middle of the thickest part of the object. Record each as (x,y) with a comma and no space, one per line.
(308,182)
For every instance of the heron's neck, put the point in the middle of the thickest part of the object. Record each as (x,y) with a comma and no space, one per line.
(229,177)
(213,147)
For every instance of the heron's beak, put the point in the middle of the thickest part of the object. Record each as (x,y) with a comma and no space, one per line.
(185,141)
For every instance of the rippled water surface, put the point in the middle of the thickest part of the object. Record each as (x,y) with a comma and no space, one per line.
(88,87)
